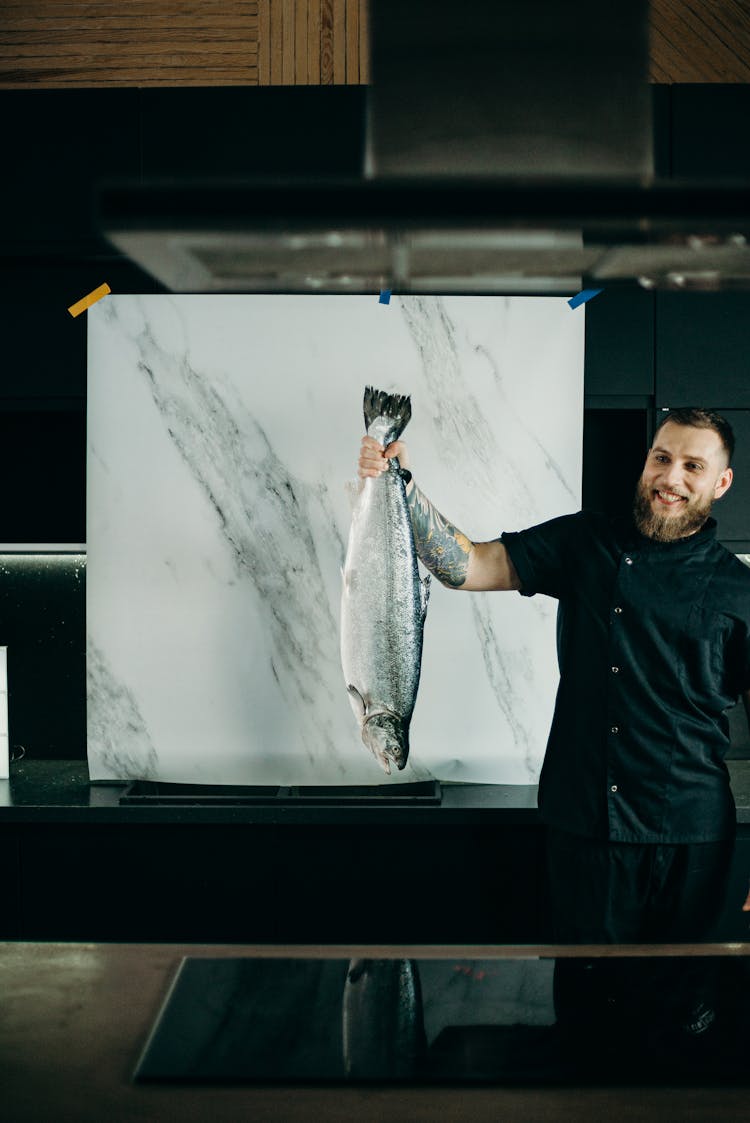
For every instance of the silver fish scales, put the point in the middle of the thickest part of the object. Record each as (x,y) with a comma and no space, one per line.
(383,599)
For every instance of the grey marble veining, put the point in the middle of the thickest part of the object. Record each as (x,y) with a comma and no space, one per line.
(264,516)
(500,675)
(112,710)
(222,432)
(456,415)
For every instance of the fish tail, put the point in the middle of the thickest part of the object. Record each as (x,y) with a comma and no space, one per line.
(395,407)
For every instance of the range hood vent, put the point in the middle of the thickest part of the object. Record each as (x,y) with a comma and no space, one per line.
(432,237)
(508,150)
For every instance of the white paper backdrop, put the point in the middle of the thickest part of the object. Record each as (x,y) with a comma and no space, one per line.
(221,433)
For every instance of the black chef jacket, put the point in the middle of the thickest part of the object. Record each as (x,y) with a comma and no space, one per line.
(653,642)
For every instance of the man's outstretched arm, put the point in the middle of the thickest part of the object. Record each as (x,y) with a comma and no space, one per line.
(456,561)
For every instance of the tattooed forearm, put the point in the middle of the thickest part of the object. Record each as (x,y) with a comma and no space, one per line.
(443,549)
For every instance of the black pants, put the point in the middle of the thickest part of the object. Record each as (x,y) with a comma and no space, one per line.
(604,892)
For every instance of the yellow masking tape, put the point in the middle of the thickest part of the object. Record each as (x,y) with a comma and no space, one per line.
(86,301)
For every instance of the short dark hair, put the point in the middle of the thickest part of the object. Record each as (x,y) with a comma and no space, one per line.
(703,419)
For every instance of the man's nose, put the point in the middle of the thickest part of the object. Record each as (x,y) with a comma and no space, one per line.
(671,478)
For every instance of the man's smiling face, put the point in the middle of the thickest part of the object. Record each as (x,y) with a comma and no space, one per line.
(685,471)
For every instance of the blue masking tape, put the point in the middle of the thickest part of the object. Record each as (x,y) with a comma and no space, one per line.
(587,294)
(385,296)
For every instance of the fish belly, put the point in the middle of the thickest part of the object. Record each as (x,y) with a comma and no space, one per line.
(381,610)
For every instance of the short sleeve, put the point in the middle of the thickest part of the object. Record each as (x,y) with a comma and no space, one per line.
(542,554)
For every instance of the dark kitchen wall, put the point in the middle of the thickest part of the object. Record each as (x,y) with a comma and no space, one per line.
(644,351)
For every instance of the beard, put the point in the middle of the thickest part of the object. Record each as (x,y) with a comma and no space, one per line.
(666,528)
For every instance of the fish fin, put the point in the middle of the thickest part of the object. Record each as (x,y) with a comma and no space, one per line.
(424,593)
(355,694)
(395,407)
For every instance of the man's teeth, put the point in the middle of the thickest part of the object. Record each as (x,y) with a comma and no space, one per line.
(668,497)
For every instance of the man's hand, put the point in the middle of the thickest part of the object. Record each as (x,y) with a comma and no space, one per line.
(373,460)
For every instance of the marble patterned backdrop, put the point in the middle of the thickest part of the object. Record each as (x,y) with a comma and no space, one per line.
(222,431)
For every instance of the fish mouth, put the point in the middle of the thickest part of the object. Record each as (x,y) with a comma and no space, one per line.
(387,739)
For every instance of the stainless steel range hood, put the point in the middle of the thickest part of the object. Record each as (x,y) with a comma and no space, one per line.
(521,89)
(508,149)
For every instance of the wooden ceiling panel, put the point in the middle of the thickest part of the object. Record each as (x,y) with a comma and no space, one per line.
(58,43)
(700,41)
(55,43)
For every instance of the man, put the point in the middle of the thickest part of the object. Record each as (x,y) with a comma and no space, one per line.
(653,648)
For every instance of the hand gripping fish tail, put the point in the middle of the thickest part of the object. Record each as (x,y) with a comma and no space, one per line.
(383,599)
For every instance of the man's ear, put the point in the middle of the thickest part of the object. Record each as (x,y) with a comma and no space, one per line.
(723,483)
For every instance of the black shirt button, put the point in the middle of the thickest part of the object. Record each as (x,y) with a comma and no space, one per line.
(615,670)
(628,561)
(618,610)
(615,729)
(613,788)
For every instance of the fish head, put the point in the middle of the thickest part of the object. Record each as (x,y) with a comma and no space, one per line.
(387,739)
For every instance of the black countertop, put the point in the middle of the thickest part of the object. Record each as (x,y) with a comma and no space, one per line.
(60,792)
(79,1013)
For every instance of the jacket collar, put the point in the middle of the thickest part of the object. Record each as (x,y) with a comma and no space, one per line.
(631,538)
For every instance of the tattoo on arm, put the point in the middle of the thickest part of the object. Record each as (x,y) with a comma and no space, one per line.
(443,549)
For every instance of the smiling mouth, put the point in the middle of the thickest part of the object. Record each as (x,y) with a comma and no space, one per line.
(669,498)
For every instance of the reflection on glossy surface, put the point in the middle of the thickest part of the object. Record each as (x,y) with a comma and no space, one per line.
(249,1019)
(622,1019)
(382,1019)
(672,1012)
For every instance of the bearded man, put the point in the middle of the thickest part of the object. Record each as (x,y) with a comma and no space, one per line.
(653,638)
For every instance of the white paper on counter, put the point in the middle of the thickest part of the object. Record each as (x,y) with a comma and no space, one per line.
(221,433)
